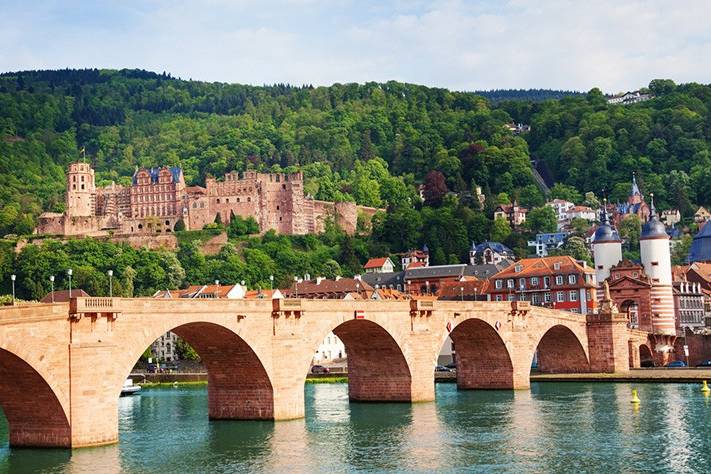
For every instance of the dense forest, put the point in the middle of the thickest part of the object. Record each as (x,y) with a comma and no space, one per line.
(370,143)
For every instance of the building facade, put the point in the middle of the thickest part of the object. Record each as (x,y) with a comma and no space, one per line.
(556,282)
(158,199)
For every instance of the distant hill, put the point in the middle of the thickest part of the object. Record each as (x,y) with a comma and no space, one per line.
(532,95)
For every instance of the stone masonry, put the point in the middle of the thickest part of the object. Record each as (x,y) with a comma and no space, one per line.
(158,198)
(73,357)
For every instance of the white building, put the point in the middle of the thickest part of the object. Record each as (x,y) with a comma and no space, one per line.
(581,212)
(629,98)
(330,349)
(379,265)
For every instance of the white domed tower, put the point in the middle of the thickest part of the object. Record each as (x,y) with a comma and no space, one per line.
(656,259)
(81,192)
(607,249)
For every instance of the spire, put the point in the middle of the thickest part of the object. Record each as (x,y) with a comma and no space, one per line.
(635,188)
(604,218)
(652,210)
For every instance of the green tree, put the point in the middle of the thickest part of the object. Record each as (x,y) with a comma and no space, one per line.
(542,219)
(500,230)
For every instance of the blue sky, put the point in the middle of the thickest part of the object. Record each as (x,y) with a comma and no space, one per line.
(611,44)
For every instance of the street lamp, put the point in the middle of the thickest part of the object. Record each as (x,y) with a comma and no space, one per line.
(296,287)
(110,273)
(217,290)
(271,282)
(13,277)
(461,291)
(51,282)
(427,286)
(69,274)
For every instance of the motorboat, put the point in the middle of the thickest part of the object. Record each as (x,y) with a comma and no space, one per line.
(129,388)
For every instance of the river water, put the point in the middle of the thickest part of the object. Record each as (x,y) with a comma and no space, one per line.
(554,427)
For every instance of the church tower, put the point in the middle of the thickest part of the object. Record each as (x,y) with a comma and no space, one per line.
(81,191)
(656,259)
(607,249)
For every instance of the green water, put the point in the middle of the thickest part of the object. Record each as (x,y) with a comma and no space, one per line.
(556,427)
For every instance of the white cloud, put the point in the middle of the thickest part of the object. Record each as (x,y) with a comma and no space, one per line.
(461,45)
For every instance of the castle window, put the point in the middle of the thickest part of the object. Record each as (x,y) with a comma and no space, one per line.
(283,186)
(140,226)
(227,200)
(237,199)
(249,199)
(277,208)
(74,187)
(218,200)
(194,205)
(82,186)
(655,263)
(167,222)
(279,218)
(82,179)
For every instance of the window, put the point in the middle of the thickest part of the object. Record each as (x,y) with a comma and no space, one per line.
(499,284)
(518,268)
(547,297)
(536,298)
(559,279)
(560,296)
(218,200)
(573,295)
(572,279)
(498,297)
(556,266)
(283,186)
(522,283)
(510,283)
(654,264)
(574,310)
(512,297)
(534,281)
(546,281)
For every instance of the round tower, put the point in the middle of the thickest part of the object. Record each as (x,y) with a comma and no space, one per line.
(656,260)
(81,191)
(607,249)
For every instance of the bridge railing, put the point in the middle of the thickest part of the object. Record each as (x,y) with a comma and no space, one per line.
(91,305)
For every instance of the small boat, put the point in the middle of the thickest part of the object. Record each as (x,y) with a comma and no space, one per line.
(129,388)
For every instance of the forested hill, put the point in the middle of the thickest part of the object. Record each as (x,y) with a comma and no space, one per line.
(365,142)
(532,95)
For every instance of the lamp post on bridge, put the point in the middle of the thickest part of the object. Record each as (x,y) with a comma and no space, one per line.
(69,274)
(51,282)
(296,287)
(271,282)
(110,273)
(217,290)
(461,291)
(12,278)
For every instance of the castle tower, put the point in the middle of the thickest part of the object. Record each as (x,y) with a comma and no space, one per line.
(81,191)
(656,259)
(607,249)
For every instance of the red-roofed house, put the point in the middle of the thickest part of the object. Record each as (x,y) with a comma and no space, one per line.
(379,265)
(558,282)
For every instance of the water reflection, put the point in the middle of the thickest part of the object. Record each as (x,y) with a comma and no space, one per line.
(553,428)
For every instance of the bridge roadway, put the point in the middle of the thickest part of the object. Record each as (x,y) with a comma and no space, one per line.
(62,366)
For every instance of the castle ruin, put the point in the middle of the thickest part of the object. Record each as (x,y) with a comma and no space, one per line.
(158,198)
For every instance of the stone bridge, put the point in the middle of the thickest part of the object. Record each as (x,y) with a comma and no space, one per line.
(62,366)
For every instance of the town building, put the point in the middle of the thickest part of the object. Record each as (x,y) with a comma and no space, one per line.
(635,205)
(628,98)
(416,258)
(546,242)
(158,199)
(514,214)
(561,208)
(165,349)
(517,128)
(379,265)
(702,215)
(671,217)
(473,289)
(324,288)
(582,212)
(330,350)
(557,282)
(489,253)
(689,302)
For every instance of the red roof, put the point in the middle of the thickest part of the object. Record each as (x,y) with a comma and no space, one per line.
(543,266)
(62,296)
(376,262)
(415,265)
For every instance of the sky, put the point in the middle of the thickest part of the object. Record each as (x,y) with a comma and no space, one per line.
(615,45)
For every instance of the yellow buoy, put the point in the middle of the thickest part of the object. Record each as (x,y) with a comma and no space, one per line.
(705,388)
(635,398)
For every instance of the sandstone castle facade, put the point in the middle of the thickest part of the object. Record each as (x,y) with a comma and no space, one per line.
(158,198)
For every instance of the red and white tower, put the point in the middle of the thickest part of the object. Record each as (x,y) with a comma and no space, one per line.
(656,259)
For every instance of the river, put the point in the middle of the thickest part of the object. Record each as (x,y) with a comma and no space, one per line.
(554,427)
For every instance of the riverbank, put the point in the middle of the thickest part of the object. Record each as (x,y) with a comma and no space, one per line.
(197,379)
(655,375)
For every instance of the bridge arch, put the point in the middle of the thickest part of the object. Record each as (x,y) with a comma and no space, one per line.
(239,386)
(645,354)
(560,350)
(377,367)
(32,407)
(482,358)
